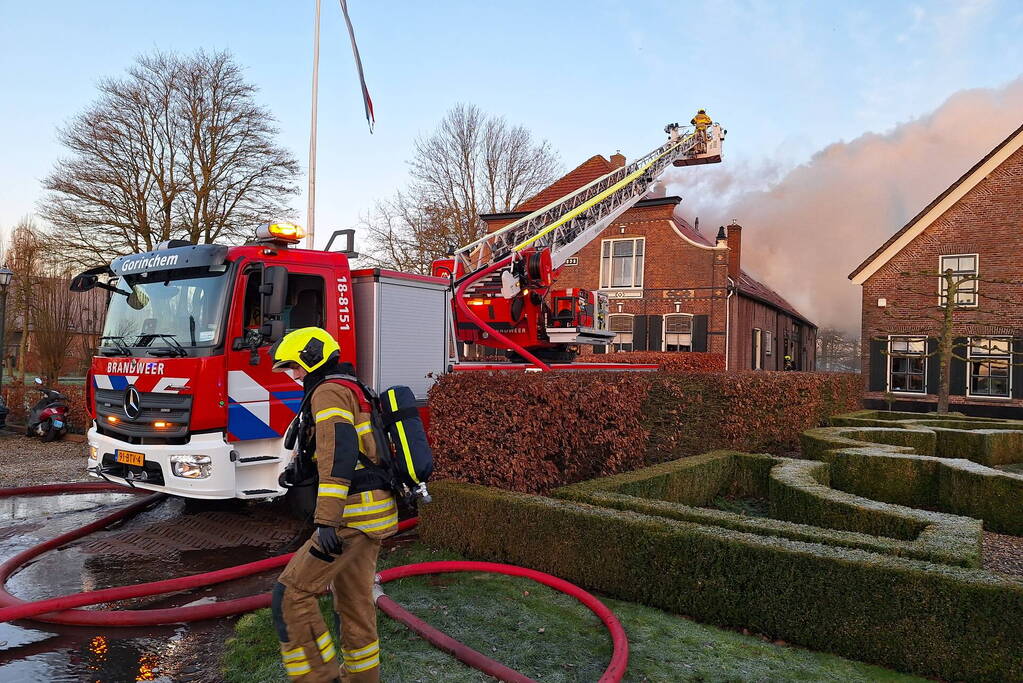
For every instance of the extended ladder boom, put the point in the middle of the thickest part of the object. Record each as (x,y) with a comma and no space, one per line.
(566,225)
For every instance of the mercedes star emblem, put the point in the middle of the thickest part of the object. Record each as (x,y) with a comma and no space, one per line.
(132,402)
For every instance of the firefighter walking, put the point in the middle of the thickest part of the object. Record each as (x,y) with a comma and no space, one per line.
(354,511)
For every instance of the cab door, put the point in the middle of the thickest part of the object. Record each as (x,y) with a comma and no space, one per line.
(262,403)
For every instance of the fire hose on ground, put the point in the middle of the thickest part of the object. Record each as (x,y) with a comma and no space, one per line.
(62,610)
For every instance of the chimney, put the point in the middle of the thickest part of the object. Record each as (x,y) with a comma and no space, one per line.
(617,159)
(734,250)
(722,240)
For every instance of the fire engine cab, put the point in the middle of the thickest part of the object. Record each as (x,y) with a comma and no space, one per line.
(181,392)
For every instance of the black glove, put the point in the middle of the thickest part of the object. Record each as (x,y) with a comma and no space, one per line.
(328,539)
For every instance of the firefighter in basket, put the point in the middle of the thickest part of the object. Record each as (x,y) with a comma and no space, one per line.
(702,122)
(355,509)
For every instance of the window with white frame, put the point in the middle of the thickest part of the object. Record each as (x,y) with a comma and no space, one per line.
(965,268)
(990,363)
(621,263)
(907,364)
(621,325)
(768,343)
(678,332)
(758,349)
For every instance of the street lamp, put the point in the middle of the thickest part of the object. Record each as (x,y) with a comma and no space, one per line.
(5,279)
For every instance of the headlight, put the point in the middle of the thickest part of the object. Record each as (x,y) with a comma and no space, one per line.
(191,466)
(93,453)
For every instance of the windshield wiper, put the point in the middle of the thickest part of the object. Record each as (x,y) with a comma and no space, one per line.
(119,346)
(175,348)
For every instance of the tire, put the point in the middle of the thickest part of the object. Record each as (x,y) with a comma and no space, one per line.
(50,433)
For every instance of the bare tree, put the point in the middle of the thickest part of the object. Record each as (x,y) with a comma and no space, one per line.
(175,148)
(838,350)
(951,314)
(56,311)
(406,235)
(24,255)
(470,164)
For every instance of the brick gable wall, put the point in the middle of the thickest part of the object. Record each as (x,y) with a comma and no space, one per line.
(987,221)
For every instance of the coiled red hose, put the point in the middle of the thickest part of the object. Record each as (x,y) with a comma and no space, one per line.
(61,610)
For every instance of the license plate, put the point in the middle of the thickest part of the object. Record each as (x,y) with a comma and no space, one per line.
(131,458)
(57,424)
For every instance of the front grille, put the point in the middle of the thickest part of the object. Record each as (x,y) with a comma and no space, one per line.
(173,408)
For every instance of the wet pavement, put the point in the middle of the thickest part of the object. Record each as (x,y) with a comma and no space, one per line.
(166,541)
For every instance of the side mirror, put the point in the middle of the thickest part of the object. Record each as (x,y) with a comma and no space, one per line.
(272,330)
(273,289)
(83,282)
(38,380)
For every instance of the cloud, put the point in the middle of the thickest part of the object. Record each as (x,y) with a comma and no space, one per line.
(806,229)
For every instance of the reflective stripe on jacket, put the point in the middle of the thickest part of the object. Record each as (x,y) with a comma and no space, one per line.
(343,432)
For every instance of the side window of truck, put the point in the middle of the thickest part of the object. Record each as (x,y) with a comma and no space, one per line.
(304,303)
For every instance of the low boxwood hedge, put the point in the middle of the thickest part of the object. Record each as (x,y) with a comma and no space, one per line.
(927,618)
(896,466)
(802,506)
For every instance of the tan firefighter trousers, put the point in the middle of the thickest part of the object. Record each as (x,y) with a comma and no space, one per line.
(307,649)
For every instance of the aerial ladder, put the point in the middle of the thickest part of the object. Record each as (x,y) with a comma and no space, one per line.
(503,283)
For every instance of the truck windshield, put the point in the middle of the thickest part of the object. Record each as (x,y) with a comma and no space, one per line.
(171,314)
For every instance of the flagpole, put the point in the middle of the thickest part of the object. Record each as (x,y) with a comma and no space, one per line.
(311,211)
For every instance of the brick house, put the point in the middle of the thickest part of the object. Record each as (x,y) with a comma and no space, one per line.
(974,227)
(674,289)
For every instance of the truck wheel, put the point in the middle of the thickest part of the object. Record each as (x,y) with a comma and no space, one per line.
(301,501)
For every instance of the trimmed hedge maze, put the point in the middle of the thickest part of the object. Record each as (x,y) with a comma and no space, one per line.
(803,507)
(948,463)
(827,568)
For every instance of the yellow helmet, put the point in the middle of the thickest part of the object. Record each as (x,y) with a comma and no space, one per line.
(308,348)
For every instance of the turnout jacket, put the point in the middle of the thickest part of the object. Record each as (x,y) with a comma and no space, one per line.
(345,445)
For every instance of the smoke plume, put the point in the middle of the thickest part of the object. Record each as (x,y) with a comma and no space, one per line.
(806,229)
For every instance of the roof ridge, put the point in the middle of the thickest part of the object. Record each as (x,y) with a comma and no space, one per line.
(564,182)
(937,200)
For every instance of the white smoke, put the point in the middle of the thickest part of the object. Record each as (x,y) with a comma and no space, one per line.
(806,230)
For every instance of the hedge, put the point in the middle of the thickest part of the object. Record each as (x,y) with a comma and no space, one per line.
(868,462)
(695,361)
(802,506)
(19,399)
(533,432)
(932,619)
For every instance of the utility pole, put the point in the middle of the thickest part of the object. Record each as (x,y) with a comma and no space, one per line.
(311,211)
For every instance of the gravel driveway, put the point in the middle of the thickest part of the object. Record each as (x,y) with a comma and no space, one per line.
(25,461)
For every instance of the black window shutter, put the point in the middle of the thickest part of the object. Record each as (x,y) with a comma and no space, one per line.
(933,367)
(598,348)
(654,337)
(878,365)
(639,332)
(1017,368)
(699,333)
(957,381)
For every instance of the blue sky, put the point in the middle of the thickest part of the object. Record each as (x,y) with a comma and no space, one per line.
(786,78)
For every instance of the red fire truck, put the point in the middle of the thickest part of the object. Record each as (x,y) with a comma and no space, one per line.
(181,393)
